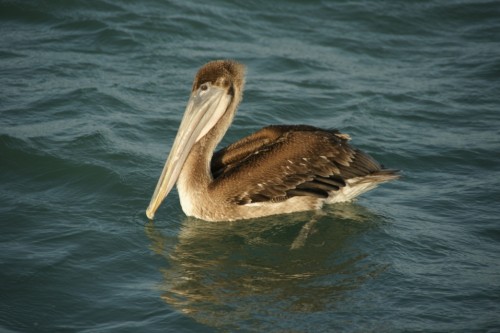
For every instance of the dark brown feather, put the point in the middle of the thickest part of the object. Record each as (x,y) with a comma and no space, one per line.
(279,162)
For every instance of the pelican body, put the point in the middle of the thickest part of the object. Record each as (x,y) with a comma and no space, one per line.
(279,169)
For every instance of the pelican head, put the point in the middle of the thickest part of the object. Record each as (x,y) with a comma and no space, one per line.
(216,93)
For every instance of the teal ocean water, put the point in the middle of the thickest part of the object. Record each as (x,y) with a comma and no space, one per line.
(92,93)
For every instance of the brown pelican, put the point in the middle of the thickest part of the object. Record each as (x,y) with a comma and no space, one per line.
(277,170)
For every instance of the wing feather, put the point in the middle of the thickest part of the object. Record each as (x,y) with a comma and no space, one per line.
(280,162)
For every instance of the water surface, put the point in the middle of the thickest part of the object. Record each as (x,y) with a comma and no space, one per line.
(91,95)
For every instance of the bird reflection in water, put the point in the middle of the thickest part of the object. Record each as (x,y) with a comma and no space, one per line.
(274,268)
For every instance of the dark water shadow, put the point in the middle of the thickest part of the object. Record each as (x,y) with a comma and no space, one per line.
(264,274)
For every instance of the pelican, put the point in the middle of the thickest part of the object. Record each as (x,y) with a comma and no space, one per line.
(279,169)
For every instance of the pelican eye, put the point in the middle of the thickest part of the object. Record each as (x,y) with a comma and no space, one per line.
(204,87)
